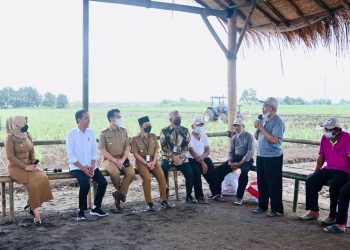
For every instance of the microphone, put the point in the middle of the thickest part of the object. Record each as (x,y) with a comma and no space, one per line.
(260,117)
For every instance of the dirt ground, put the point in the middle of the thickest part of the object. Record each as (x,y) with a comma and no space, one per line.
(216,225)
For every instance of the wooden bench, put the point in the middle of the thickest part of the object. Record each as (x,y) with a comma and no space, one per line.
(66,175)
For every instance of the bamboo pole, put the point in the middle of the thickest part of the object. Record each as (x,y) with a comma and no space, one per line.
(3,197)
(231,70)
(296,195)
(176,185)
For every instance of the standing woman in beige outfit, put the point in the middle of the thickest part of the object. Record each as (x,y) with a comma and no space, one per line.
(20,155)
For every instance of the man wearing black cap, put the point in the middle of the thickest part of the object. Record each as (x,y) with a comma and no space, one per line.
(114,145)
(269,159)
(145,146)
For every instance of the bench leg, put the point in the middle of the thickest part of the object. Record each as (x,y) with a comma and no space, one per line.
(176,185)
(12,207)
(90,195)
(3,198)
(296,194)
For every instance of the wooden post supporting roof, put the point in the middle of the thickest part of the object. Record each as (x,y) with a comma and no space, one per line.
(231,70)
(86,54)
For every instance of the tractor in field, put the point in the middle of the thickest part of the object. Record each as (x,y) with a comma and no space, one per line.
(217,111)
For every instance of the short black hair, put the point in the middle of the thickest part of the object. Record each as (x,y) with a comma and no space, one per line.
(79,114)
(111,113)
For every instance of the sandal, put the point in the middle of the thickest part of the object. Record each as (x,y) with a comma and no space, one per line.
(333,230)
(308,217)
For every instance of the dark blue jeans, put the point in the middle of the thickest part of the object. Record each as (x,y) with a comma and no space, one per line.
(84,183)
(185,170)
(211,177)
(315,183)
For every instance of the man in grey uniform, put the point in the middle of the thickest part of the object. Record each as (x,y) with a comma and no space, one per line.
(240,156)
(269,159)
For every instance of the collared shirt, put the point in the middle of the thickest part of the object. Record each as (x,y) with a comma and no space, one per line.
(275,127)
(198,145)
(336,154)
(82,147)
(144,146)
(242,145)
(114,140)
(171,137)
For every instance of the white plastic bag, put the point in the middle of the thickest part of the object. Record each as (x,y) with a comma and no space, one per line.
(230,184)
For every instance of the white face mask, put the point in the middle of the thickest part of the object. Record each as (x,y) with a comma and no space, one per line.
(118,122)
(198,130)
(329,135)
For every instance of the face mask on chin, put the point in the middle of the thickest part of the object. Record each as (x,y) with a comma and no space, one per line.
(118,122)
(198,130)
(24,129)
(177,122)
(147,129)
(329,135)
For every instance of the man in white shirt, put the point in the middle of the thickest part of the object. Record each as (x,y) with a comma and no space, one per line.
(82,156)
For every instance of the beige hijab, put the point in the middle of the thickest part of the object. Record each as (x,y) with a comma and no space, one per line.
(14,125)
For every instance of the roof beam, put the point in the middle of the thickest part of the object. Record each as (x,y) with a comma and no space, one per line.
(277,13)
(169,6)
(346,4)
(216,37)
(298,11)
(267,15)
(244,29)
(200,2)
(324,7)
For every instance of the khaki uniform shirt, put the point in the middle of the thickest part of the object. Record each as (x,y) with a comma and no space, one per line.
(144,146)
(114,140)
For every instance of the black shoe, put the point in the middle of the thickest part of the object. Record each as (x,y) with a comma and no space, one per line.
(150,207)
(30,211)
(81,215)
(258,210)
(275,214)
(98,212)
(165,204)
(211,197)
(190,200)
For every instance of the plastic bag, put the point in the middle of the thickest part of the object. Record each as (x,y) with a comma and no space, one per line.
(229,185)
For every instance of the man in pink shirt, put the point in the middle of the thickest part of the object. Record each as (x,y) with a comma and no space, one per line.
(335,151)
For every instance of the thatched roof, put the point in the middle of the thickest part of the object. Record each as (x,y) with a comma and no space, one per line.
(297,21)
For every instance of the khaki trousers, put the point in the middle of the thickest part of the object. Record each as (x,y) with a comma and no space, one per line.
(114,172)
(145,173)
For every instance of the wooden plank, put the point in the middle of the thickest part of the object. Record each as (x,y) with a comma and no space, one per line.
(324,6)
(298,11)
(3,197)
(277,13)
(12,206)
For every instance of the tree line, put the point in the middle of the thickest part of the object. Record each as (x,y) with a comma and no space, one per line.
(29,97)
(249,97)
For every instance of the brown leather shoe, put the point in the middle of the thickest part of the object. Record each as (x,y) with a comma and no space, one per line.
(116,197)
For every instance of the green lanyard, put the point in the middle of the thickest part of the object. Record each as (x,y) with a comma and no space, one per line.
(333,143)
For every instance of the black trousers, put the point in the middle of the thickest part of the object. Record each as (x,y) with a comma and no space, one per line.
(269,172)
(343,204)
(315,183)
(185,170)
(84,183)
(210,176)
(225,169)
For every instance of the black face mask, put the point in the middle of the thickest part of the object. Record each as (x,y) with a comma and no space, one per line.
(25,128)
(147,129)
(177,121)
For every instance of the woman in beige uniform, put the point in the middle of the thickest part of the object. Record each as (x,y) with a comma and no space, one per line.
(20,154)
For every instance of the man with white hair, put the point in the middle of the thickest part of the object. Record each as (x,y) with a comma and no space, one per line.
(269,159)
(240,156)
(335,152)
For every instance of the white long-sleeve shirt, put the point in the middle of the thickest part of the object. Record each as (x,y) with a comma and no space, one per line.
(82,147)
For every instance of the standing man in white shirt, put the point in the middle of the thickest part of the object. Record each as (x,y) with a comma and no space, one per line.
(82,156)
